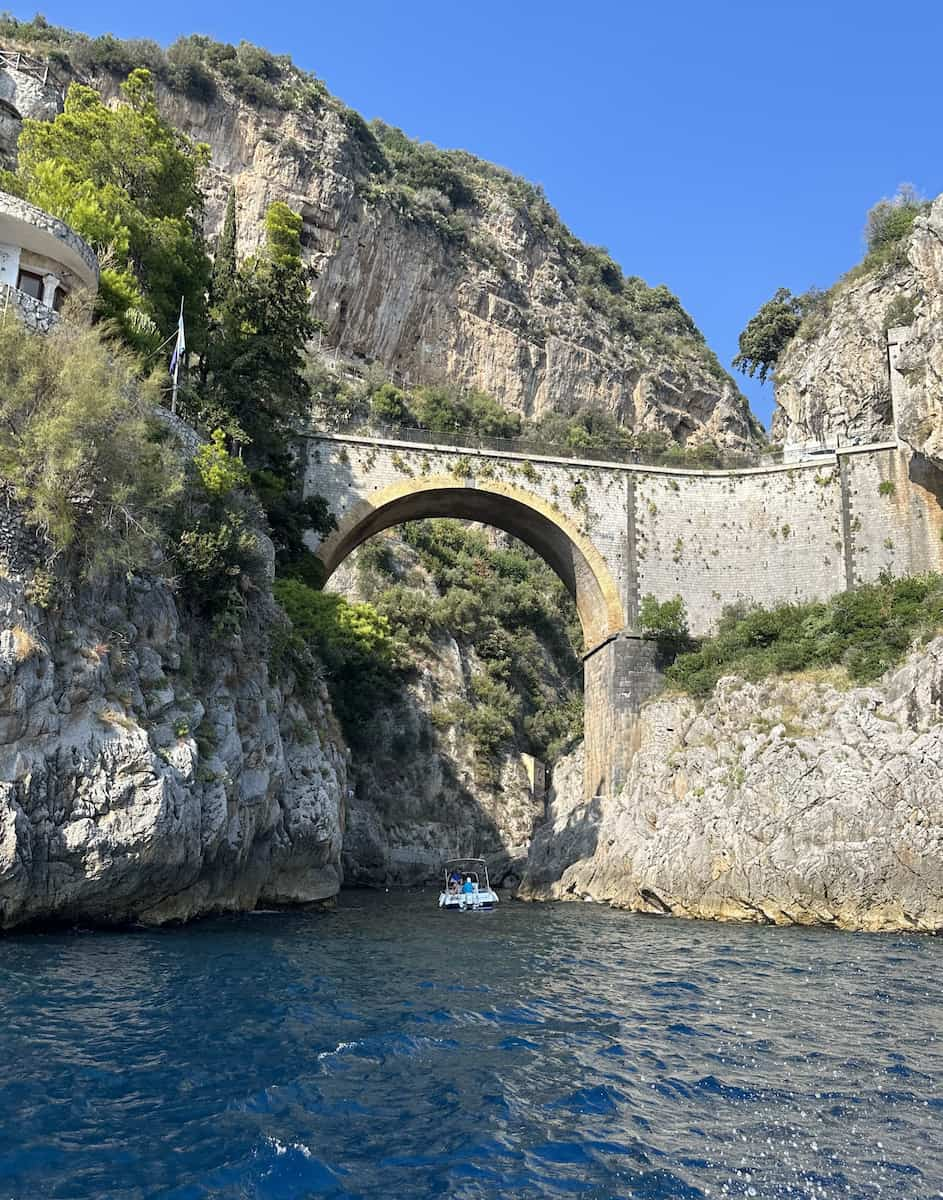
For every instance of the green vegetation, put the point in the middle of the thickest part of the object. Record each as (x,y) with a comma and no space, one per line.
(191,66)
(768,333)
(128,183)
(440,409)
(512,616)
(92,474)
(866,630)
(253,374)
(888,227)
(363,658)
(667,621)
(80,449)
(887,487)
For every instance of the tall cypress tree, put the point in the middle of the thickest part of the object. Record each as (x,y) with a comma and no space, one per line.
(255,364)
(224,263)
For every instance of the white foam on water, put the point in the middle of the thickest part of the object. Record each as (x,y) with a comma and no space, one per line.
(338,1049)
(281,1147)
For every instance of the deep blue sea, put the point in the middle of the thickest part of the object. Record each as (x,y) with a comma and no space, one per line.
(390,1050)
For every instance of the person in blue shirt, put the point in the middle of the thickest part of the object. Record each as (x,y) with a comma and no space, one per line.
(468,887)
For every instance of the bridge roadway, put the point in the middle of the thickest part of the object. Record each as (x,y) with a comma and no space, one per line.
(615,532)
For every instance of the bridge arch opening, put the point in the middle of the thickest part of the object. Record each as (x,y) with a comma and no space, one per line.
(557,540)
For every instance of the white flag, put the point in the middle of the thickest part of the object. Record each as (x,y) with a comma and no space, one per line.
(180,345)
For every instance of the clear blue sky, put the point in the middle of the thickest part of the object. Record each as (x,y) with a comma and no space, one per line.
(723,148)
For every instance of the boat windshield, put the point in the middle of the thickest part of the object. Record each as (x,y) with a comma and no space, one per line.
(457,870)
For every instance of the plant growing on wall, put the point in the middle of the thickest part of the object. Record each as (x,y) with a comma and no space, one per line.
(666,620)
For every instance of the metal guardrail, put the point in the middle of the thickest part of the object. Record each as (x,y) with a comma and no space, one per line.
(522,447)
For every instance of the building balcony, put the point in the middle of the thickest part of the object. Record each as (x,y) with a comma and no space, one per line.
(41,259)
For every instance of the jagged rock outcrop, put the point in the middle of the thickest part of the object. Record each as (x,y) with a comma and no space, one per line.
(144,777)
(783,801)
(834,379)
(492,301)
(920,361)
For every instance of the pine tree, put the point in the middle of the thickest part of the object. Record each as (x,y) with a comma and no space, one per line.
(128,182)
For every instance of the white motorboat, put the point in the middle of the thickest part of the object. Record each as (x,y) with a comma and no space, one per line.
(467,888)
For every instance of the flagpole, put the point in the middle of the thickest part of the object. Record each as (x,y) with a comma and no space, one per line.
(173,398)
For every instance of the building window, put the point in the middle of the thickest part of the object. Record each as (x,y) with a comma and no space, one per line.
(59,299)
(31,284)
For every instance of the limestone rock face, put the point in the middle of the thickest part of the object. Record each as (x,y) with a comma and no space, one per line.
(834,380)
(498,309)
(782,801)
(138,781)
(834,384)
(920,362)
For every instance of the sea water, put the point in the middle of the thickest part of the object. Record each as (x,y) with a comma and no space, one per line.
(390,1049)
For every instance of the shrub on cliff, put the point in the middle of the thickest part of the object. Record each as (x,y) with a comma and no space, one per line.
(79,447)
(364,661)
(667,621)
(889,224)
(867,630)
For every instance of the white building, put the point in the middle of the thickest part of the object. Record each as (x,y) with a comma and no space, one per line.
(42,261)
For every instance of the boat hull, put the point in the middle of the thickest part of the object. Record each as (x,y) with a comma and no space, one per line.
(463,902)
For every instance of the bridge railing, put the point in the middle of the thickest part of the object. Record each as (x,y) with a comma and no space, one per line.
(522,446)
(696,458)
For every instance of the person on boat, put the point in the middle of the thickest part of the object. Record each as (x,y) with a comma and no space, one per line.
(454,880)
(468,887)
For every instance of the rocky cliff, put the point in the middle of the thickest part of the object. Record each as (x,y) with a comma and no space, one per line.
(834,378)
(148,774)
(790,800)
(439,266)
(421,789)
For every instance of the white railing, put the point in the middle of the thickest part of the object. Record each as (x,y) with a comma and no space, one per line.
(16,60)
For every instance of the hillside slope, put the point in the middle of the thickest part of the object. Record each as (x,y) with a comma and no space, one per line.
(435,264)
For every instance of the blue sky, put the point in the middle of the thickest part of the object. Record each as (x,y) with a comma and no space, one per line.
(724,148)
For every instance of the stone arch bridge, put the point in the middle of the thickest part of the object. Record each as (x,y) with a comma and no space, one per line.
(615,532)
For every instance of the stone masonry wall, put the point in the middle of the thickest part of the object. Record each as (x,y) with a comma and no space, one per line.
(346,470)
(763,535)
(22,210)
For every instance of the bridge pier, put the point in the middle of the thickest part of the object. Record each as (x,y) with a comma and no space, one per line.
(619,675)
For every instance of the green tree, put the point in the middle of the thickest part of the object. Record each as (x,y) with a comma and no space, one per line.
(255,363)
(224,261)
(128,182)
(768,333)
(390,405)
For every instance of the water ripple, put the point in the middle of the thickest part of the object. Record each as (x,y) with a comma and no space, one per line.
(552,1051)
